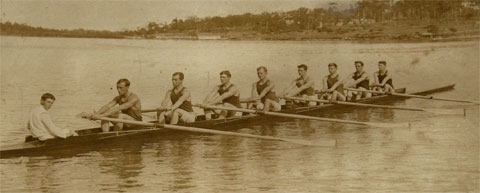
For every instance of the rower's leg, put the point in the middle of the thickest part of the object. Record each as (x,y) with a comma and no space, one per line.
(174,118)
(334,96)
(186,117)
(208,114)
(105,126)
(311,103)
(161,117)
(389,88)
(266,107)
(119,126)
(260,105)
(275,105)
(340,96)
(349,95)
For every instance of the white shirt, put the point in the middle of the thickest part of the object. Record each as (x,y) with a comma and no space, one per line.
(41,126)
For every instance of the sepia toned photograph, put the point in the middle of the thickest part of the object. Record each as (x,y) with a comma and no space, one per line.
(239,96)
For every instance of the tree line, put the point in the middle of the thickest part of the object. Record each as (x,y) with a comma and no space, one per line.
(302,19)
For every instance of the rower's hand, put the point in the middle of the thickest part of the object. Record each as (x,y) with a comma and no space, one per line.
(94,116)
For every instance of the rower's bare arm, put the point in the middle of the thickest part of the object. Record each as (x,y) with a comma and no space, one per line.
(165,99)
(325,84)
(267,89)
(389,76)
(309,83)
(52,128)
(337,84)
(183,98)
(211,95)
(232,91)
(254,90)
(362,78)
(375,78)
(288,88)
(132,100)
(108,106)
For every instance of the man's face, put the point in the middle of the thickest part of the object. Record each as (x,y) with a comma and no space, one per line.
(261,74)
(176,81)
(381,67)
(332,69)
(302,72)
(47,103)
(122,88)
(224,79)
(359,67)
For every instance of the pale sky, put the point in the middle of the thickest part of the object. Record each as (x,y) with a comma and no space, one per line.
(129,14)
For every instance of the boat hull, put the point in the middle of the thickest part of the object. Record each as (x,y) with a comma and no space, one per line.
(94,136)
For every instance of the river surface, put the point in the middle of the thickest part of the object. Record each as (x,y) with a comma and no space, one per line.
(437,153)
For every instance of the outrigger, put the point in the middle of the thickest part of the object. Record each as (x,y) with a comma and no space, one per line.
(216,126)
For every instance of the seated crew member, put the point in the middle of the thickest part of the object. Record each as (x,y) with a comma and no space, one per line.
(332,85)
(263,92)
(360,81)
(40,124)
(226,94)
(181,106)
(302,86)
(383,79)
(129,108)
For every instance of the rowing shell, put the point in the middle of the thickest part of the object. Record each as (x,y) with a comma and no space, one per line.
(95,135)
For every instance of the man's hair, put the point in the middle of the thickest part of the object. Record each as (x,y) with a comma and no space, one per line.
(303,66)
(262,67)
(126,81)
(179,74)
(226,72)
(332,64)
(382,62)
(47,96)
(359,62)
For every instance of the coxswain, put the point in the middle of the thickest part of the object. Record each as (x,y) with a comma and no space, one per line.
(360,81)
(302,86)
(383,79)
(180,103)
(263,92)
(226,94)
(41,125)
(332,85)
(129,108)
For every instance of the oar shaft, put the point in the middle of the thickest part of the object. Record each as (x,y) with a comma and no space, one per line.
(355,104)
(210,131)
(284,115)
(415,96)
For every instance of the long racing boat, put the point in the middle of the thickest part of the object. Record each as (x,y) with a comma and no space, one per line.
(96,136)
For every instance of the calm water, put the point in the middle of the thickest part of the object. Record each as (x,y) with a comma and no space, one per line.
(438,153)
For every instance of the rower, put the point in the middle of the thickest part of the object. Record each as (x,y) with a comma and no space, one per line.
(383,79)
(332,86)
(40,124)
(181,106)
(263,92)
(302,86)
(129,108)
(226,94)
(360,81)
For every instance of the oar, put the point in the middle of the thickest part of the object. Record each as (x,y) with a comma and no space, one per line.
(415,96)
(153,110)
(295,116)
(430,110)
(328,143)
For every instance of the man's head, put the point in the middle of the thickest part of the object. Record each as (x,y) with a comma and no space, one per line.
(47,100)
(359,66)
(122,86)
(262,72)
(332,68)
(382,65)
(225,76)
(302,70)
(177,79)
